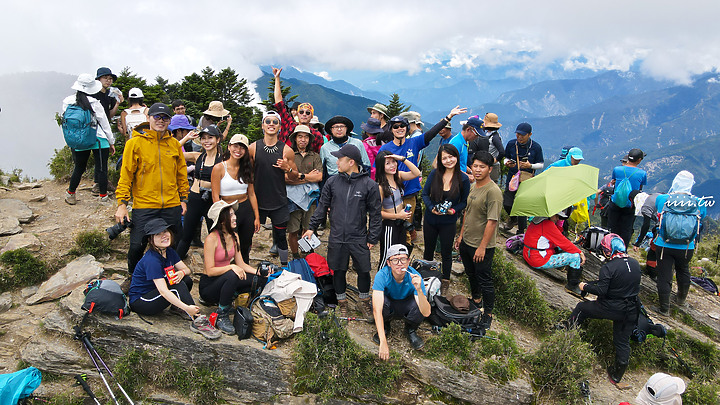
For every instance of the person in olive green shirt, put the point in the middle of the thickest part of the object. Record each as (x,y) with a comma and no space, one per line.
(476,241)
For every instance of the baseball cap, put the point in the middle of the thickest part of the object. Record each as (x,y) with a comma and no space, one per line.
(135,93)
(523,128)
(636,154)
(397,249)
(576,153)
(159,108)
(350,151)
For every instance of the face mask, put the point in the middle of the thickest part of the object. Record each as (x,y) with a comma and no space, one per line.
(340,140)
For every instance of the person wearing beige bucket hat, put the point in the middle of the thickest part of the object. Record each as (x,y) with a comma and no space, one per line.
(233,182)
(215,115)
(226,272)
(85,86)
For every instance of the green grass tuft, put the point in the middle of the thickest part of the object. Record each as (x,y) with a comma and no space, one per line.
(93,242)
(24,269)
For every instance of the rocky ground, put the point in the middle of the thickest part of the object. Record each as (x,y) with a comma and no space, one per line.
(51,225)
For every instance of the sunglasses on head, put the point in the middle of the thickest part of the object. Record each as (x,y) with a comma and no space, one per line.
(396,126)
(305,112)
(161,117)
(271,121)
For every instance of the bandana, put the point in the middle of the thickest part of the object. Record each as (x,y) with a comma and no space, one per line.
(307,106)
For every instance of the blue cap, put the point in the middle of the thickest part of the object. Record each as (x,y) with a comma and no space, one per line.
(477,124)
(523,129)
(576,153)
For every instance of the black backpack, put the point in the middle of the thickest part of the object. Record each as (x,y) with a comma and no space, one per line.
(443,313)
(105,296)
(242,322)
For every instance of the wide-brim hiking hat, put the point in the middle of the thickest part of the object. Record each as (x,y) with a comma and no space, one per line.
(180,122)
(105,71)
(86,84)
(339,119)
(461,303)
(662,389)
(215,210)
(350,151)
(135,93)
(381,108)
(241,139)
(639,201)
(397,249)
(491,121)
(157,225)
(413,117)
(635,155)
(216,109)
(372,126)
(301,128)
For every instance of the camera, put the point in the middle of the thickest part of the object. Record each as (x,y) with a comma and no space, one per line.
(115,230)
(206,194)
(266,268)
(444,207)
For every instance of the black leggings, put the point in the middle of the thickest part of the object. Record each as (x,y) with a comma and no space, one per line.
(392,234)
(667,257)
(222,289)
(446,233)
(196,209)
(152,302)
(80,158)
(245,219)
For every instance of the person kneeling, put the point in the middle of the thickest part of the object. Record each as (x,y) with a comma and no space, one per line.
(398,292)
(161,279)
(617,289)
(223,280)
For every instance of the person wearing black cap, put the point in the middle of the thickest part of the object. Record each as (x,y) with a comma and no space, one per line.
(352,196)
(153,172)
(340,128)
(621,213)
(200,197)
(110,98)
(529,154)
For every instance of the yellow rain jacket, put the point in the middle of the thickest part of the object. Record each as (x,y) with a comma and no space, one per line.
(153,170)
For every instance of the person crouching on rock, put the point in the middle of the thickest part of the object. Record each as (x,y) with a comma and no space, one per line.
(161,279)
(398,292)
(222,279)
(617,289)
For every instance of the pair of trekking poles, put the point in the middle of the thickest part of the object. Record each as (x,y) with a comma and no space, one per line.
(84,338)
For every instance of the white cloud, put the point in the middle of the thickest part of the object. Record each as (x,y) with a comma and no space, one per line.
(325,75)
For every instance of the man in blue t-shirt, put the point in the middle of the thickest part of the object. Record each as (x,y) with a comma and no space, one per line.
(469,132)
(398,293)
(621,220)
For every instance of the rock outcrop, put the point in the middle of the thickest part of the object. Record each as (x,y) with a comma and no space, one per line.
(76,273)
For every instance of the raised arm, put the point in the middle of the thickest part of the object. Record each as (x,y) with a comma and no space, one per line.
(429,135)
(278,88)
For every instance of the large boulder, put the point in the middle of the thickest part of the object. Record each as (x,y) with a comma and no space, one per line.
(22,240)
(16,209)
(78,272)
(9,225)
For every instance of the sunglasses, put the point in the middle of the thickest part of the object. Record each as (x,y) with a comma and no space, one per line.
(270,121)
(397,126)
(304,112)
(161,117)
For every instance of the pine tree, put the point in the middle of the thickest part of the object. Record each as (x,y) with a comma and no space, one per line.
(270,102)
(395,107)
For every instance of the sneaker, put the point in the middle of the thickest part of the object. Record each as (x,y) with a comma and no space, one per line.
(223,321)
(177,311)
(70,198)
(95,189)
(105,198)
(365,307)
(273,250)
(201,325)
(486,321)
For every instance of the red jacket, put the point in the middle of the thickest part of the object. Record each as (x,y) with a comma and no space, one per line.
(545,236)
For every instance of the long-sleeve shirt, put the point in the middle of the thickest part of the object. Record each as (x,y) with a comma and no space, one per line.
(540,241)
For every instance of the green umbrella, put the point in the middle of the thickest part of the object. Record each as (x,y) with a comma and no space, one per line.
(554,190)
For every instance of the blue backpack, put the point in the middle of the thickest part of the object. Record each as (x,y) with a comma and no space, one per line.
(301,267)
(79,128)
(621,195)
(680,219)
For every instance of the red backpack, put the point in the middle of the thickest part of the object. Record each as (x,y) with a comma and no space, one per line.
(319,265)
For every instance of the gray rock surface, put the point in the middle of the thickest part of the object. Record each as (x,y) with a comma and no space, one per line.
(28,291)
(9,225)
(22,240)
(28,186)
(38,198)
(75,274)
(11,207)
(6,301)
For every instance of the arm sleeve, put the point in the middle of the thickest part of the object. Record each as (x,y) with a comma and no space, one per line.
(429,205)
(537,166)
(497,142)
(551,231)
(429,135)
(373,209)
(464,192)
(600,287)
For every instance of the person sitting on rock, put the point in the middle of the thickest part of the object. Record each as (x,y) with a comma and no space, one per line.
(617,289)
(222,279)
(543,237)
(398,293)
(161,279)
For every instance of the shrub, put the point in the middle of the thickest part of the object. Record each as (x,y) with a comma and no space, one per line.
(453,348)
(25,269)
(61,165)
(701,394)
(93,242)
(131,371)
(329,363)
(560,364)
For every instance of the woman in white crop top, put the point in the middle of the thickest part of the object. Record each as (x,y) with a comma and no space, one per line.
(232,182)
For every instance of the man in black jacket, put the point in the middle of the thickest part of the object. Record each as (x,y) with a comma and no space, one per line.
(617,289)
(351,196)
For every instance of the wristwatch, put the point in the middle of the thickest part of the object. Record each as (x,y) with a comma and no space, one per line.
(302,176)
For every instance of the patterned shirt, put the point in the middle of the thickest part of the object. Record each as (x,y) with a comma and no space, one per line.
(288,125)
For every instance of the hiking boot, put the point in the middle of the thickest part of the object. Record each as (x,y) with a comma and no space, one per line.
(341,309)
(444,286)
(365,307)
(486,321)
(664,305)
(573,281)
(125,286)
(223,321)
(615,374)
(376,337)
(273,250)
(415,341)
(95,189)
(70,198)
(682,295)
(201,325)
(177,311)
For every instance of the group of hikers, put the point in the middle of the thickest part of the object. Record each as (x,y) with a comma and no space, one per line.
(301,172)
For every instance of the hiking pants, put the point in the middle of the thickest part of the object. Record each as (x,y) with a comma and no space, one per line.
(666,258)
(624,317)
(406,309)
(446,234)
(621,221)
(152,302)
(245,219)
(338,258)
(479,275)
(222,289)
(279,219)
(140,216)
(196,209)
(80,158)
(393,233)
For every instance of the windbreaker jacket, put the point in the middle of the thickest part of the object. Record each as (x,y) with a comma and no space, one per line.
(351,199)
(153,170)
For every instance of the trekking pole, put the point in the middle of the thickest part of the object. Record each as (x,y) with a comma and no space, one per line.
(86,339)
(79,336)
(81,379)
(346,318)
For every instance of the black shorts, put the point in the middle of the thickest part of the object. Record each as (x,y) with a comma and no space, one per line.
(338,256)
(277,216)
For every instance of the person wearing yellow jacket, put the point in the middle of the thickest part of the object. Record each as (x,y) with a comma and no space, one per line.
(154,173)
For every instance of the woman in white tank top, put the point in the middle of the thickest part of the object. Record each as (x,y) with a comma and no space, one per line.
(134,115)
(232,182)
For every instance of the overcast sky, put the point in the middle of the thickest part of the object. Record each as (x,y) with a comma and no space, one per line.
(670,40)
